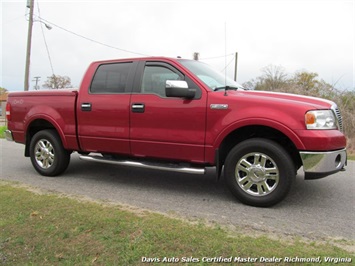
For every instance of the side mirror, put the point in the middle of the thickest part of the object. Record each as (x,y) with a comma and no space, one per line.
(179,88)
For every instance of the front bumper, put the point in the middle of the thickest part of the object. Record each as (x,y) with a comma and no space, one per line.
(8,135)
(320,164)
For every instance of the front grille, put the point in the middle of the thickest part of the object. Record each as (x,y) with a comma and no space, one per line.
(338,115)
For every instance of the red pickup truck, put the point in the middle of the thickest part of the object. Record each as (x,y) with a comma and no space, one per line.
(181,115)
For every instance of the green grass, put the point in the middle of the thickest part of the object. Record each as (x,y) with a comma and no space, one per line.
(2,131)
(55,230)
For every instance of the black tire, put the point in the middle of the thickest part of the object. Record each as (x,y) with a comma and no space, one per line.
(259,172)
(47,153)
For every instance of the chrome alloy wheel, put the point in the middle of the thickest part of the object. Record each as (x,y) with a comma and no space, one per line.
(257,174)
(44,153)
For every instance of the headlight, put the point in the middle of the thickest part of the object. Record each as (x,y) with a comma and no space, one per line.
(320,119)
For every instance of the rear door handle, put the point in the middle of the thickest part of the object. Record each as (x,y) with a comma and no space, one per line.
(86,107)
(138,107)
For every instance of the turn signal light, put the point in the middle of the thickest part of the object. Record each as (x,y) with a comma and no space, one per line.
(310,118)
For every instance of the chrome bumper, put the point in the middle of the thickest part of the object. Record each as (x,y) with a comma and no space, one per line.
(321,164)
(8,135)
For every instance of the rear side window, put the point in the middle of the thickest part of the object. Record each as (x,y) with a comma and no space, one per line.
(111,78)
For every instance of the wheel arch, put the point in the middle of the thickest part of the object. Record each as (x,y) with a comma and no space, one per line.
(37,125)
(255,131)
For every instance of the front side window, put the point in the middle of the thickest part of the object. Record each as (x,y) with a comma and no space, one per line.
(111,78)
(155,77)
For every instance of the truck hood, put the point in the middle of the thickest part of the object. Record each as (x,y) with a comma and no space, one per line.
(293,99)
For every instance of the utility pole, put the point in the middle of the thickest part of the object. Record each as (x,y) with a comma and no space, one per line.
(30,4)
(236,66)
(36,79)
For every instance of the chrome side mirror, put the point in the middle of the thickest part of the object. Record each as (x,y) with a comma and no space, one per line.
(179,88)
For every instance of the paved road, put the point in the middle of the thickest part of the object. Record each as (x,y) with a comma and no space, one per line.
(318,209)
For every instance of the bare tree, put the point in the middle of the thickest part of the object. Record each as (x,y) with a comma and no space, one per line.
(273,79)
(57,82)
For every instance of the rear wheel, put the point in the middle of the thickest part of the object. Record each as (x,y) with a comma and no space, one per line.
(259,172)
(47,153)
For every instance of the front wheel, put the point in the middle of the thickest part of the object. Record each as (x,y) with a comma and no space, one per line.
(259,172)
(47,153)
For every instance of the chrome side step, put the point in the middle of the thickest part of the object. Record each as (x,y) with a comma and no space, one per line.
(147,165)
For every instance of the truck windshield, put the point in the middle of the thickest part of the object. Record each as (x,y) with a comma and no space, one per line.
(213,79)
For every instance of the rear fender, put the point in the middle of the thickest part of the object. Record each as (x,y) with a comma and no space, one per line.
(48,114)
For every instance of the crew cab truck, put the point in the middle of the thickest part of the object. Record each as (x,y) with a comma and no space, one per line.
(181,115)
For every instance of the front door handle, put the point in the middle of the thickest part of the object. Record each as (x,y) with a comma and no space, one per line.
(138,107)
(86,107)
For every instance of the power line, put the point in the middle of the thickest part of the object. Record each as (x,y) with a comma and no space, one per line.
(45,41)
(227,64)
(89,39)
(107,45)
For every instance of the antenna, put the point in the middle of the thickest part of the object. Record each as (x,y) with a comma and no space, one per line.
(225,59)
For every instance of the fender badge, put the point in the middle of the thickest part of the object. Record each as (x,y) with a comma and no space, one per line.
(219,106)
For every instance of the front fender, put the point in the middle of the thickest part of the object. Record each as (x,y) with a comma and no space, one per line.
(259,122)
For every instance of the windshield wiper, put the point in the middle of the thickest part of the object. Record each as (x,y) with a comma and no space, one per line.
(226,88)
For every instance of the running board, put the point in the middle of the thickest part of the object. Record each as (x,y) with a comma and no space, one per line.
(147,165)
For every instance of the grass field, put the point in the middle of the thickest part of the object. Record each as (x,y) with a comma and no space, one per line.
(50,229)
(351,157)
(2,131)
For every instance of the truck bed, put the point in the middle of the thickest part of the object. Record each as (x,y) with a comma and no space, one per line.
(55,106)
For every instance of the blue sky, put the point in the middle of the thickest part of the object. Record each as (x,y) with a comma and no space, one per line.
(316,36)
